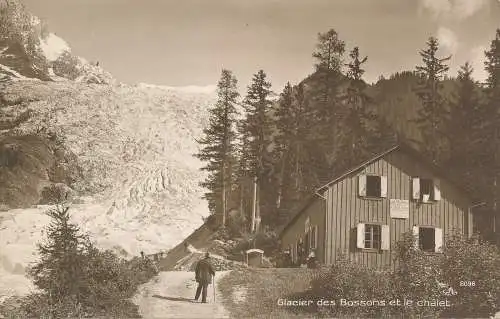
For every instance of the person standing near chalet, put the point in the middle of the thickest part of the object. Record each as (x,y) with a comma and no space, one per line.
(311,259)
(203,272)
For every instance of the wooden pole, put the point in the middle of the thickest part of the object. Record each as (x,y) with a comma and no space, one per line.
(254,202)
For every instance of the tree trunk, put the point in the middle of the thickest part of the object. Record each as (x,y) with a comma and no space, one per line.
(282,177)
(223,196)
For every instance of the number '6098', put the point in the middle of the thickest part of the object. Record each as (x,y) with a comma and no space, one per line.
(467,284)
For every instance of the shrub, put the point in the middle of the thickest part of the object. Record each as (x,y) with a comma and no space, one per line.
(55,193)
(352,282)
(67,66)
(77,279)
(265,239)
(236,224)
(473,271)
(419,276)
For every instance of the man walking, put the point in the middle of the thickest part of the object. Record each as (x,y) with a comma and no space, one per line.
(203,272)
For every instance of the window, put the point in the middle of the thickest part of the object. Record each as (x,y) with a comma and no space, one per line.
(372,186)
(373,236)
(429,239)
(425,190)
(426,238)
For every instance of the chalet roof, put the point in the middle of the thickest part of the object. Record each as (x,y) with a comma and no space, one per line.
(402,147)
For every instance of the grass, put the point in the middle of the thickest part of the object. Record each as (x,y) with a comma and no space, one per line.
(263,289)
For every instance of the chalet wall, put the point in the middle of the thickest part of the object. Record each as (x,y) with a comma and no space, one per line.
(316,213)
(345,209)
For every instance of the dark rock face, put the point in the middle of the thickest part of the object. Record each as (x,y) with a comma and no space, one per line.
(34,170)
(15,57)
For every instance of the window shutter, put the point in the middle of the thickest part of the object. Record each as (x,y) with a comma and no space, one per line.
(386,239)
(415,235)
(438,239)
(437,193)
(361,235)
(315,237)
(362,185)
(383,186)
(416,188)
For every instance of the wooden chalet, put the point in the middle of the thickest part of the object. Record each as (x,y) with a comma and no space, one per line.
(363,212)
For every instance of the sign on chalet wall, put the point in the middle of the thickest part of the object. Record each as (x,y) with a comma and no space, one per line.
(399,208)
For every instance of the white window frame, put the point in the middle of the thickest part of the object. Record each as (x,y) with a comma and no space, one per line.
(384,242)
(417,195)
(363,186)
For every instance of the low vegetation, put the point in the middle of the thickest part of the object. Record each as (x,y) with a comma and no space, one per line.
(464,278)
(254,293)
(75,279)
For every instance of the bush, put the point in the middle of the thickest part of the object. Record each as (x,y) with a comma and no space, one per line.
(353,282)
(420,276)
(67,66)
(77,279)
(236,224)
(55,193)
(473,271)
(265,239)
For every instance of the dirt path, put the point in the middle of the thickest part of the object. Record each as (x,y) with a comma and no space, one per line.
(170,295)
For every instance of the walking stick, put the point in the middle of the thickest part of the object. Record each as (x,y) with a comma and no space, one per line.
(213,284)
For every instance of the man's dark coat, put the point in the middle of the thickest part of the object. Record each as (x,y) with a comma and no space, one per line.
(204,271)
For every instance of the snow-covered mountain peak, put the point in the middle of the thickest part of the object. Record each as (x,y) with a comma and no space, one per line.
(29,51)
(208,89)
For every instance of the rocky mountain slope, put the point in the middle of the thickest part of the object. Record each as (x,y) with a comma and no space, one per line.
(123,153)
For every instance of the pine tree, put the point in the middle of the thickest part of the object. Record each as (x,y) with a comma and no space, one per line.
(328,80)
(329,55)
(433,117)
(282,141)
(490,133)
(219,145)
(295,150)
(465,121)
(358,125)
(60,271)
(256,129)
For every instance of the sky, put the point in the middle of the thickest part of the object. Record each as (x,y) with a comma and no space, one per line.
(189,42)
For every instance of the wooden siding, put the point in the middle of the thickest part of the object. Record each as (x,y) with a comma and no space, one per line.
(316,213)
(345,209)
